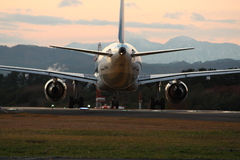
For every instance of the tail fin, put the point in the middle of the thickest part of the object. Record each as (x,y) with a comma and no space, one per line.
(121,23)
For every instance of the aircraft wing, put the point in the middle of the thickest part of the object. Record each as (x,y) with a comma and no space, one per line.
(144,79)
(64,75)
(84,50)
(160,51)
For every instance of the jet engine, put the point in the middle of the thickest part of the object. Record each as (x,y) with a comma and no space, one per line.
(55,90)
(176,91)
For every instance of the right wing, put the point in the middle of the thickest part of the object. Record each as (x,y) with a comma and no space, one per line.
(144,79)
(64,75)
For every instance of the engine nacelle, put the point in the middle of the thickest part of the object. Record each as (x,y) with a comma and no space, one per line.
(176,91)
(55,90)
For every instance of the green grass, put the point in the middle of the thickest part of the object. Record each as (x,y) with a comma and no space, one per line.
(131,139)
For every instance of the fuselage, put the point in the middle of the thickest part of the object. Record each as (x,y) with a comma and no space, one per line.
(120,71)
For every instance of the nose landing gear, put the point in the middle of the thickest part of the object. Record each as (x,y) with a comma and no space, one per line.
(114,102)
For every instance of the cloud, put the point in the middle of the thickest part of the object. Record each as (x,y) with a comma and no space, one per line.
(131,5)
(217,35)
(156,25)
(50,20)
(175,15)
(8,26)
(132,24)
(199,17)
(14,38)
(95,22)
(39,20)
(67,3)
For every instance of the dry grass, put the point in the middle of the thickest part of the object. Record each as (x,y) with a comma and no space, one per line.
(35,121)
(116,137)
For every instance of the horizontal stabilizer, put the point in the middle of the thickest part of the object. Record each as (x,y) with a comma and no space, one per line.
(159,52)
(84,50)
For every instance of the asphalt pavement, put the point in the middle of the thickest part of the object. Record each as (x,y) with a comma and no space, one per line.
(205,115)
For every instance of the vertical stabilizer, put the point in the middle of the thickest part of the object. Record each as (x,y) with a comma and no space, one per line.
(121,23)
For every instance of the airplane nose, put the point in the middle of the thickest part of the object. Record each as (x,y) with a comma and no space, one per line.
(122,51)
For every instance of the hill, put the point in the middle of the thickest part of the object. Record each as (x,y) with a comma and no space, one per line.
(206,55)
(46,58)
(204,51)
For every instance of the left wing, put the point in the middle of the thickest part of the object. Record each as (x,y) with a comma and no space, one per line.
(65,75)
(160,52)
(84,50)
(144,79)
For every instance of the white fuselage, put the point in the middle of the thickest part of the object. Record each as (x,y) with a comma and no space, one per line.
(120,71)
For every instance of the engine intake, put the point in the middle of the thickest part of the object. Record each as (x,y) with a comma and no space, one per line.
(55,90)
(176,91)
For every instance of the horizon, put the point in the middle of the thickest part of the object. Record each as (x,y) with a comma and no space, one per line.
(62,22)
(115,41)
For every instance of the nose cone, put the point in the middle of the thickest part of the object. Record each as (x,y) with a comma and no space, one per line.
(122,51)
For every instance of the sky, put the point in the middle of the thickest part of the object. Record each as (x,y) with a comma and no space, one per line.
(60,22)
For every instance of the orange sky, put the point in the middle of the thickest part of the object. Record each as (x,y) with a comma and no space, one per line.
(60,22)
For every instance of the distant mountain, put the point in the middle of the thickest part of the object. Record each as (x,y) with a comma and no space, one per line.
(139,44)
(204,51)
(204,56)
(48,58)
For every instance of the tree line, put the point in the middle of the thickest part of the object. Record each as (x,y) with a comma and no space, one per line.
(220,93)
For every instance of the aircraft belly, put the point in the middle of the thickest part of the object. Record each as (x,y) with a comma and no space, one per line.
(118,76)
(118,80)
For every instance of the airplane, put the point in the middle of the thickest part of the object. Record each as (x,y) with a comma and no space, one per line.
(118,68)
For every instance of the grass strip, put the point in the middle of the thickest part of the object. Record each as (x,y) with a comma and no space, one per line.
(27,135)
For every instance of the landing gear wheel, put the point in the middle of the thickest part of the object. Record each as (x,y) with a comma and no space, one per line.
(71,102)
(114,103)
(80,102)
(156,104)
(162,103)
(117,105)
(152,103)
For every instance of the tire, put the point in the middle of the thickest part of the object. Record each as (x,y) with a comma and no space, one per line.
(71,102)
(162,103)
(117,105)
(153,103)
(113,103)
(80,102)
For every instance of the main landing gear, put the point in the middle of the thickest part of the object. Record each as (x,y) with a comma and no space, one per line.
(75,99)
(157,102)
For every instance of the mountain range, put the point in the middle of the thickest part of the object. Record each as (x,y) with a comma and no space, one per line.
(204,51)
(205,55)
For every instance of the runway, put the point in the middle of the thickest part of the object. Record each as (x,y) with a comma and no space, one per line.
(205,115)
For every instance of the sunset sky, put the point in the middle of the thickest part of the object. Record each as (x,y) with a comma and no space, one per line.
(60,22)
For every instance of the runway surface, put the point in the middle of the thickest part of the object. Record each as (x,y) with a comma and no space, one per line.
(206,115)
